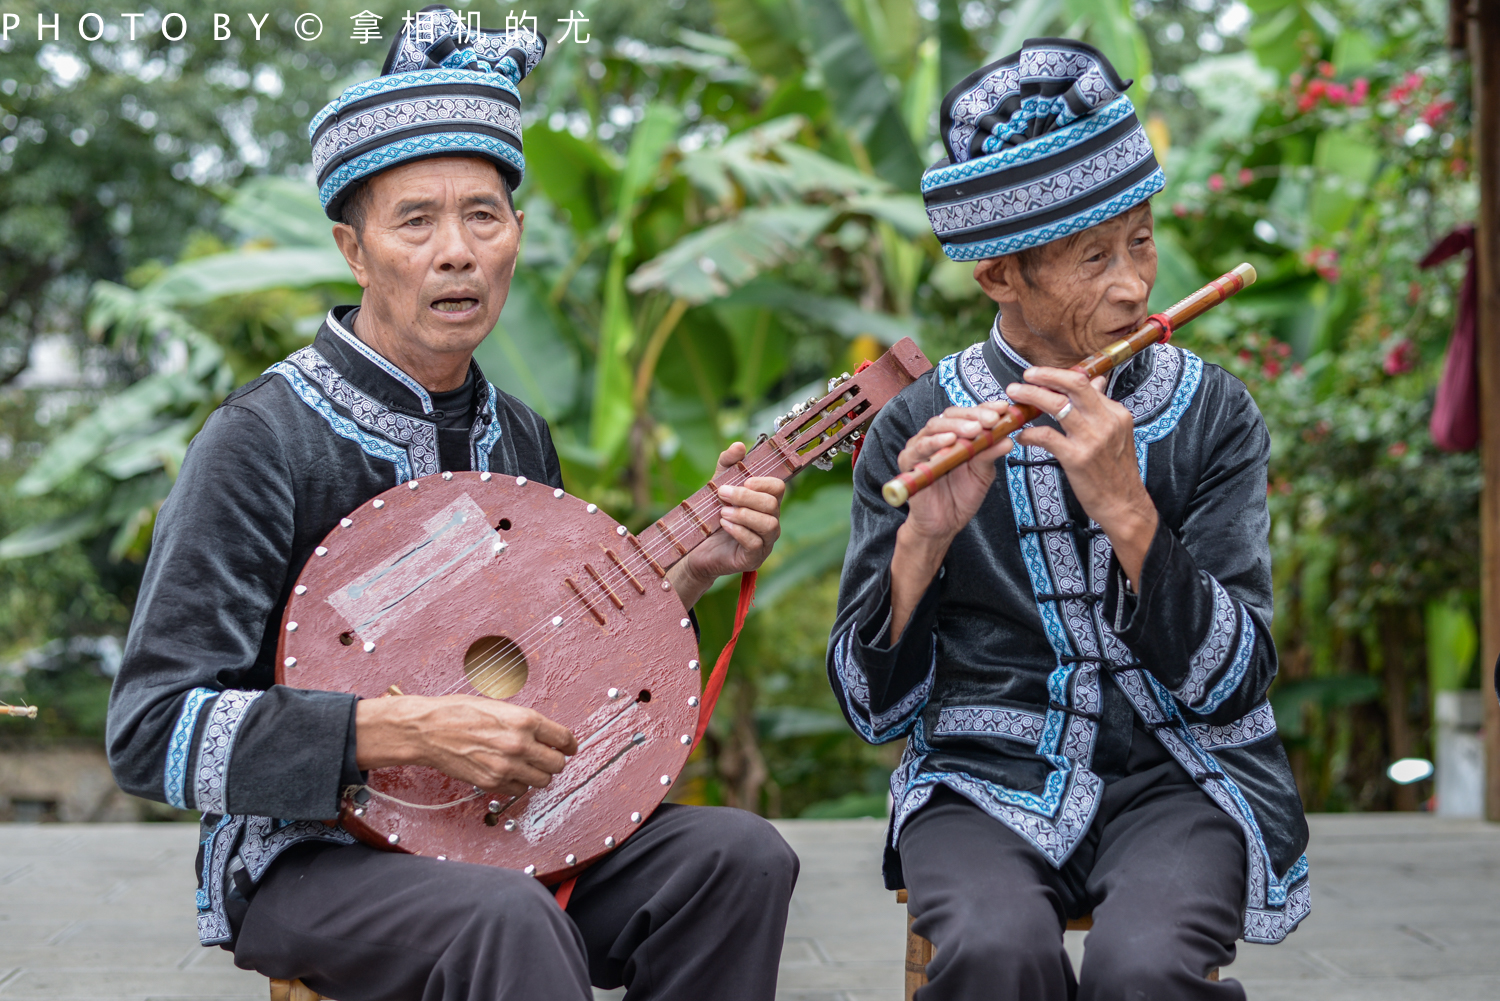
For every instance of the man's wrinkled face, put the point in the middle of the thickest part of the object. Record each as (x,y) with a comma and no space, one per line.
(436,252)
(1083,291)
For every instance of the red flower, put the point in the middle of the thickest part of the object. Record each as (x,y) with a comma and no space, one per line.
(1338,94)
(1360,92)
(1413,293)
(1216,182)
(1245,355)
(1459,166)
(1179,210)
(1326,69)
(1437,111)
(1402,92)
(1246,176)
(1397,449)
(1401,358)
(1271,369)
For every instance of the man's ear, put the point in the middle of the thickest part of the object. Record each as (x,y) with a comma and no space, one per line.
(354,253)
(1000,277)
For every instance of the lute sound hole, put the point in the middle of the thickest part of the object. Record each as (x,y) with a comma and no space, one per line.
(495,666)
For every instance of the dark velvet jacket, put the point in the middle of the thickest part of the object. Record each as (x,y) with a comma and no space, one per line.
(1029,662)
(195,719)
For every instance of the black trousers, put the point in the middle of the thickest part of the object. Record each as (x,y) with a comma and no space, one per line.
(1162,869)
(693,906)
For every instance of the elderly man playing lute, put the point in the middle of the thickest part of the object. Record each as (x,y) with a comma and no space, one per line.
(1072,629)
(416,168)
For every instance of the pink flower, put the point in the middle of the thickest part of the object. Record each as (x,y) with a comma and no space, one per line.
(1179,210)
(1216,182)
(1437,111)
(1246,176)
(1338,94)
(1360,92)
(1401,358)
(1326,69)
(1397,449)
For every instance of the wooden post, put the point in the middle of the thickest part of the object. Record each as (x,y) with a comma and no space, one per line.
(1483,37)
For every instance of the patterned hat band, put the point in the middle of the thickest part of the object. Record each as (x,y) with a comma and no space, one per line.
(449,92)
(1041,145)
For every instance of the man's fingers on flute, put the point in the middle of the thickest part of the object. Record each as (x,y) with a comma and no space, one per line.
(994,453)
(1064,380)
(1045,400)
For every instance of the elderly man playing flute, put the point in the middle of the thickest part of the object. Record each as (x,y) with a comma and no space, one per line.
(1072,630)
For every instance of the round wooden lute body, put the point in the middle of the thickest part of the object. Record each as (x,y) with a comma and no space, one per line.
(448,583)
(412,580)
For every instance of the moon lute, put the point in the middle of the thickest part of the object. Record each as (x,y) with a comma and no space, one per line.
(489,584)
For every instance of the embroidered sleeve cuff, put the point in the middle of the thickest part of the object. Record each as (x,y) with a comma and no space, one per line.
(1129,612)
(282,755)
(896,669)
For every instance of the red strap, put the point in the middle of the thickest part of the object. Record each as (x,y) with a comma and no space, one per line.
(564,892)
(721,667)
(1166,325)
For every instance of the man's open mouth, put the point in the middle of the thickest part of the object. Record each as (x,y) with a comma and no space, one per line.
(454,305)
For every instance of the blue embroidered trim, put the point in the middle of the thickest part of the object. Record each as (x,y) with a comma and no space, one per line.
(179,747)
(1041,581)
(381,362)
(1045,145)
(1276,889)
(894,722)
(211,783)
(343,426)
(1182,398)
(406,149)
(1237,667)
(948,379)
(486,442)
(208,856)
(411,78)
(1076,223)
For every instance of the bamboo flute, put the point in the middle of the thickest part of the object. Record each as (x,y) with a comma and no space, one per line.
(899,490)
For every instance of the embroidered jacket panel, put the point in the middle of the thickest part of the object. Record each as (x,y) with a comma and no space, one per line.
(1002,680)
(195,717)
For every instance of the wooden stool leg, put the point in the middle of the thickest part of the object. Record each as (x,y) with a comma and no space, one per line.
(293,990)
(918,955)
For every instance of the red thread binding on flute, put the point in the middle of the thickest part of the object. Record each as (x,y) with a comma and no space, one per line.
(1166,324)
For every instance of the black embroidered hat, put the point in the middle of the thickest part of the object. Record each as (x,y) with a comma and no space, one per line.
(445,90)
(1041,144)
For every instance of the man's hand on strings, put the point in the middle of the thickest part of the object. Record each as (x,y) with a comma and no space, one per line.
(1096,449)
(937,514)
(501,748)
(749,525)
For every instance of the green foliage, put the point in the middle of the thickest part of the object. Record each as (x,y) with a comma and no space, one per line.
(720,215)
(1334,178)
